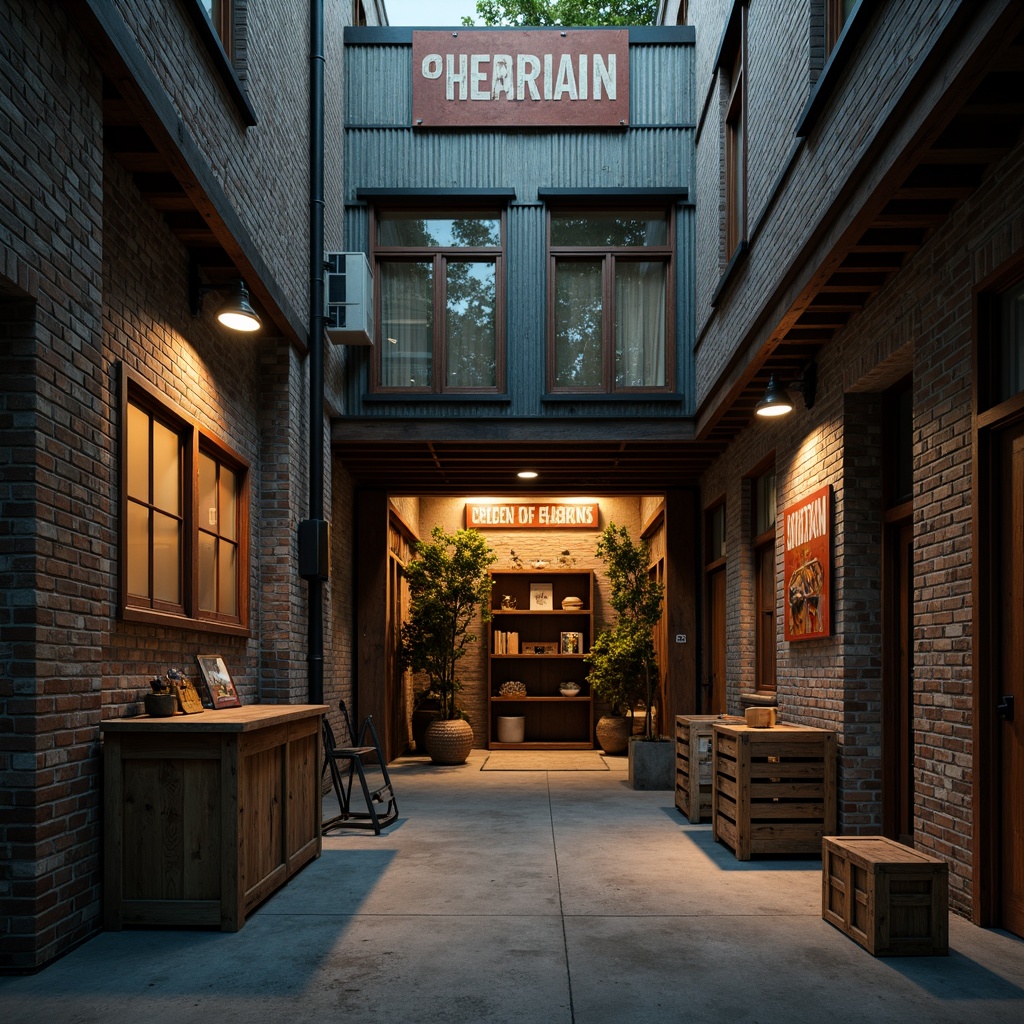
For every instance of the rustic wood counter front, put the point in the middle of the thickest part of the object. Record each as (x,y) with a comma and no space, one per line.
(206,815)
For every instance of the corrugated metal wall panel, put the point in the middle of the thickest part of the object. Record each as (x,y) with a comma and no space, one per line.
(384,152)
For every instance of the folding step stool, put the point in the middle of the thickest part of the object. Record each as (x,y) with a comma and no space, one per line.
(337,758)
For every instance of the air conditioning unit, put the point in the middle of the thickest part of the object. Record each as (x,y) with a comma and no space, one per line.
(348,298)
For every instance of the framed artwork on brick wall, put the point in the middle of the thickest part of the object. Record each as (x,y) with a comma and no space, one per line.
(220,690)
(807,526)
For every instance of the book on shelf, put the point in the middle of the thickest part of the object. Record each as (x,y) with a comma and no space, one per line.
(506,642)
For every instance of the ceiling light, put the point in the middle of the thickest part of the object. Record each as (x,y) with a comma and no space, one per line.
(526,474)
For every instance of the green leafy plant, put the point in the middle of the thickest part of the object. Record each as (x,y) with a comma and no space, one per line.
(622,659)
(448,583)
(577,13)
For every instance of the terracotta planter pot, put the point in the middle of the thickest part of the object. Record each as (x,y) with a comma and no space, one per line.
(449,741)
(613,733)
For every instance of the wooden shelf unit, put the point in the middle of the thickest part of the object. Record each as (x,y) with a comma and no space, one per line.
(551,720)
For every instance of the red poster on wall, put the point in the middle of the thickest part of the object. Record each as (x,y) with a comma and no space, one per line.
(807,529)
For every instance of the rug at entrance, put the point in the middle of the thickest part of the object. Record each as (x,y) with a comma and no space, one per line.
(544,761)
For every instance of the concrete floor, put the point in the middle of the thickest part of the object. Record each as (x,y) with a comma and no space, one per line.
(534,898)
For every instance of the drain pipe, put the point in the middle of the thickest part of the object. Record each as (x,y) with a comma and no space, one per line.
(314,533)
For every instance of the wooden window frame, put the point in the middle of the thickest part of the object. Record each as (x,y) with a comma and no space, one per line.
(441,256)
(134,390)
(609,257)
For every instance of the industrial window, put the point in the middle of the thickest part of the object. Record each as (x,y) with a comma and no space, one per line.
(1009,330)
(763,543)
(184,515)
(736,145)
(610,301)
(837,13)
(221,15)
(441,299)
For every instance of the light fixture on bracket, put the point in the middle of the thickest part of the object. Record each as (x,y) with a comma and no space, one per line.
(235,312)
(777,400)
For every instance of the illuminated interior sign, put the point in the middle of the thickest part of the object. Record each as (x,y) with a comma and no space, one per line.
(512,515)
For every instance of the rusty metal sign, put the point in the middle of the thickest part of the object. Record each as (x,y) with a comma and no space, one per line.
(507,78)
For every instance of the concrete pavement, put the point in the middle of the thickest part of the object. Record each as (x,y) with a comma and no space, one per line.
(534,898)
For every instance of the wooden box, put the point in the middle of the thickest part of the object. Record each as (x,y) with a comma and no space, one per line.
(693,766)
(890,898)
(206,815)
(774,789)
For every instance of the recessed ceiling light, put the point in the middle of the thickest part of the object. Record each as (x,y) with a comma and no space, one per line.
(526,474)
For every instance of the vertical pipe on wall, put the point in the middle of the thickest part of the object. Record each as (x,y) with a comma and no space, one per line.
(316,335)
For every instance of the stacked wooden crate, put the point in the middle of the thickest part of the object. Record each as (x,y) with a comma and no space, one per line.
(693,766)
(774,789)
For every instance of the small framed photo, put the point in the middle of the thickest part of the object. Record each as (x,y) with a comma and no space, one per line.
(541,597)
(220,690)
(572,643)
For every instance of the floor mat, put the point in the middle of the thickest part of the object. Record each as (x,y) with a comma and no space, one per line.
(544,761)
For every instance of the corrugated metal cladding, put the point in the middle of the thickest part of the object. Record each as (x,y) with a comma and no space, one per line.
(384,152)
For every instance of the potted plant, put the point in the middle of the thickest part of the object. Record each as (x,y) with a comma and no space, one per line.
(623,662)
(448,584)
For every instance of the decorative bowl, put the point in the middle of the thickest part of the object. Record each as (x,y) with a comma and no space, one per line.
(569,689)
(513,688)
(570,604)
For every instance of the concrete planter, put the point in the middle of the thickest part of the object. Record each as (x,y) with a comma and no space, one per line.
(652,764)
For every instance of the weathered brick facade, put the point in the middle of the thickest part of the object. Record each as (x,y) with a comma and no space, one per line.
(803,194)
(93,283)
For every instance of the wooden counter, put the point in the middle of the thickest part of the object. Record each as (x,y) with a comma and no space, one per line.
(206,815)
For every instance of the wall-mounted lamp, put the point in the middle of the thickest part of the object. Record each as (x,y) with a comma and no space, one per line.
(777,400)
(235,312)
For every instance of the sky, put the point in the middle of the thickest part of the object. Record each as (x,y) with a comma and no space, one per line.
(429,12)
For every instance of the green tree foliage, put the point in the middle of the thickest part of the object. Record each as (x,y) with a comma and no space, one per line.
(578,13)
(623,662)
(448,583)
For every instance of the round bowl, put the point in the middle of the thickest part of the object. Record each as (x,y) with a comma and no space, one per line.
(569,689)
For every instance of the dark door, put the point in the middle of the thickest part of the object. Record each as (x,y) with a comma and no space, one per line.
(714,686)
(898,686)
(1009,711)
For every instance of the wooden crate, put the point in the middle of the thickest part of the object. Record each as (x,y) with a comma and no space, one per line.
(774,789)
(693,766)
(890,898)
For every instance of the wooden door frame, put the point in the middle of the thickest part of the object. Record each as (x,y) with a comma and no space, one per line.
(986,634)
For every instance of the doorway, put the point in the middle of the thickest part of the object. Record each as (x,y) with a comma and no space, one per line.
(1008,694)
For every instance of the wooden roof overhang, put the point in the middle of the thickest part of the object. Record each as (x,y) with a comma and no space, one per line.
(145,134)
(975,118)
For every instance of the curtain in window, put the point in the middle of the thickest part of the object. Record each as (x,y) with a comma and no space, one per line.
(470,322)
(407,322)
(639,325)
(578,324)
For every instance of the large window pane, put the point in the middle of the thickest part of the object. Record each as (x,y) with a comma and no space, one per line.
(639,324)
(207,572)
(166,559)
(228,518)
(471,325)
(1010,381)
(138,453)
(605,230)
(137,550)
(407,324)
(578,325)
(166,469)
(227,585)
(411,230)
